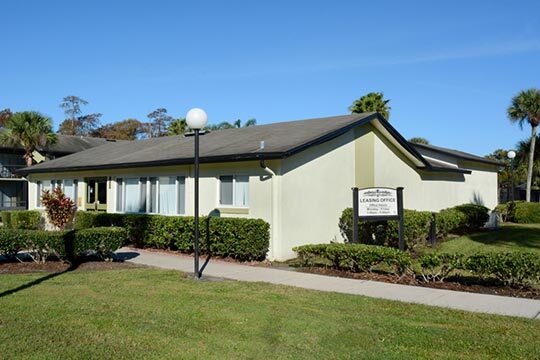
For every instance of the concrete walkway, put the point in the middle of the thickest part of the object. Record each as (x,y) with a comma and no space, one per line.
(490,304)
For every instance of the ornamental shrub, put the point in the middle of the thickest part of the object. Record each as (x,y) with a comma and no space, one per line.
(6,219)
(525,212)
(11,242)
(354,257)
(436,267)
(59,208)
(512,268)
(26,220)
(103,241)
(238,238)
(447,221)
(476,216)
(42,244)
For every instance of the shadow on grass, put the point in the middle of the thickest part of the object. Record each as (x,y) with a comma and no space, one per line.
(38,281)
(524,237)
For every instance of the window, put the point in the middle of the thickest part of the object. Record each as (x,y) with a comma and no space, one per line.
(157,195)
(234,190)
(69,187)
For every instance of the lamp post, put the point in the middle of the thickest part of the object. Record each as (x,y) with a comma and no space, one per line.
(196,119)
(511,155)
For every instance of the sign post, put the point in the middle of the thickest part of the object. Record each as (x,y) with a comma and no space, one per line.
(377,204)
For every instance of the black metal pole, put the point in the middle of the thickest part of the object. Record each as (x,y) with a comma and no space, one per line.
(513,196)
(401,228)
(196,272)
(355,215)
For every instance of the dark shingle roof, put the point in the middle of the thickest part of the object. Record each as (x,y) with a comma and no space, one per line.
(456,153)
(280,140)
(67,144)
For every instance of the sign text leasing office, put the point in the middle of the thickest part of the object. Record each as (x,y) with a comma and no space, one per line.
(377,204)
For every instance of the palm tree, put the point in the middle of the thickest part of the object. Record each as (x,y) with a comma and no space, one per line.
(373,101)
(177,127)
(236,124)
(30,130)
(525,108)
(419,140)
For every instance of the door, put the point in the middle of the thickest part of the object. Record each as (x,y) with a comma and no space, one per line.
(96,194)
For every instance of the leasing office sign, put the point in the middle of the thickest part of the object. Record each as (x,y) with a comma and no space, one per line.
(377,202)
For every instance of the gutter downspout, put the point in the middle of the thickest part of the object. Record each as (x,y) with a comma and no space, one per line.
(274,214)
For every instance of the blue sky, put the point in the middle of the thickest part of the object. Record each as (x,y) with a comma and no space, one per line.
(449,68)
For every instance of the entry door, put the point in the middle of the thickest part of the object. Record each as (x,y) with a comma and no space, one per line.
(96,194)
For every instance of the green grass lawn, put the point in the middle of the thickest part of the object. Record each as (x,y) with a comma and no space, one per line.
(510,237)
(149,313)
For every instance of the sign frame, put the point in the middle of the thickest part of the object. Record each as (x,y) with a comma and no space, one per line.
(398,217)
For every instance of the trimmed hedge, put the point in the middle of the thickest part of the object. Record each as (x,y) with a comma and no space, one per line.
(512,268)
(462,218)
(237,238)
(521,212)
(103,241)
(68,245)
(354,257)
(22,219)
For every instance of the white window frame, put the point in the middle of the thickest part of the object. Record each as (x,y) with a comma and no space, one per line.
(53,185)
(148,193)
(232,206)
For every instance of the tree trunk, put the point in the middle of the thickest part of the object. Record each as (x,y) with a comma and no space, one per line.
(531,163)
(28,159)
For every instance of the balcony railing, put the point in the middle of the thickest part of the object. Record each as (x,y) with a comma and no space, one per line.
(8,171)
(13,205)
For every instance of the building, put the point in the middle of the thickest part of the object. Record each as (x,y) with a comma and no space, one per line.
(296,175)
(13,187)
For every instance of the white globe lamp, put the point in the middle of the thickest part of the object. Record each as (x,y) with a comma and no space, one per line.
(511,154)
(196,118)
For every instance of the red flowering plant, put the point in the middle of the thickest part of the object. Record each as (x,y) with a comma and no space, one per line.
(59,208)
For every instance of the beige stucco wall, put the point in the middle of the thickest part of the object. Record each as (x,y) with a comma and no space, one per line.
(315,188)
(433,191)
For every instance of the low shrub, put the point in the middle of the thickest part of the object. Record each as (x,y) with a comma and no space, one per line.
(65,245)
(417,224)
(476,216)
(447,221)
(6,219)
(238,238)
(11,242)
(26,219)
(523,212)
(385,233)
(103,241)
(436,267)
(354,257)
(512,268)
(42,244)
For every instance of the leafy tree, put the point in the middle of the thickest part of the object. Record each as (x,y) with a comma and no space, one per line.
(159,122)
(177,127)
(129,129)
(419,140)
(4,116)
(76,123)
(523,149)
(525,108)
(30,130)
(374,101)
(236,124)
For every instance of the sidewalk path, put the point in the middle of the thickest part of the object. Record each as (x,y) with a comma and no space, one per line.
(490,304)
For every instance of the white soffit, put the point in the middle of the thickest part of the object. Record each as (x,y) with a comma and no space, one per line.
(377,124)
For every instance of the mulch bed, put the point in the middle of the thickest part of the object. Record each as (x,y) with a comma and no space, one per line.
(464,284)
(17,267)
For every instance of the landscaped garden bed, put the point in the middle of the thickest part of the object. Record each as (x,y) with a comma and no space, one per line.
(23,267)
